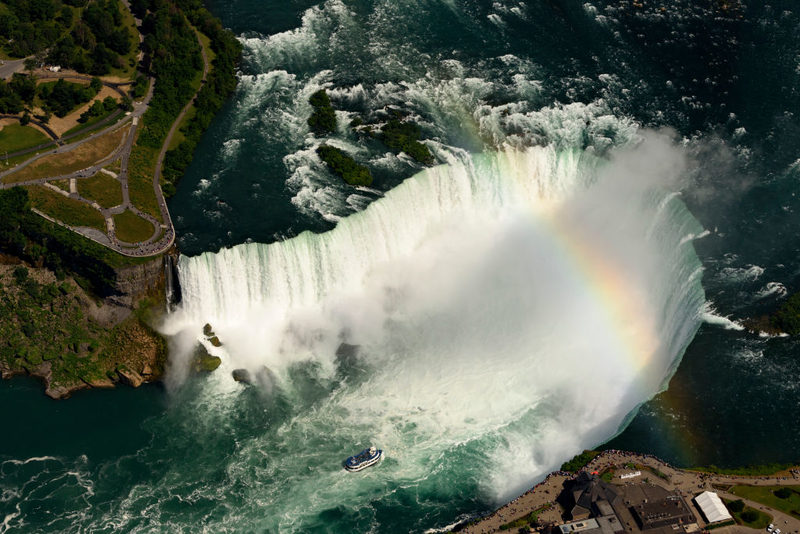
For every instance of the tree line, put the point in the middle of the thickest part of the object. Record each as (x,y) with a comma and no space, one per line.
(88,37)
(219,85)
(27,236)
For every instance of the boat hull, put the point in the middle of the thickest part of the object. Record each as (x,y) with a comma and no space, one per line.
(365,464)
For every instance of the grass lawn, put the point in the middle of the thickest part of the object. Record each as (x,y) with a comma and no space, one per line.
(66,210)
(115,166)
(760,523)
(14,137)
(206,41)
(141,167)
(101,188)
(131,228)
(178,138)
(91,122)
(61,184)
(766,495)
(81,157)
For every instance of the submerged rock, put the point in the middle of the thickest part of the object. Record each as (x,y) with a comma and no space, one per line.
(242,375)
(264,378)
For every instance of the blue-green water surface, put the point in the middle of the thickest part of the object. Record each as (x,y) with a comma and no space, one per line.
(476,75)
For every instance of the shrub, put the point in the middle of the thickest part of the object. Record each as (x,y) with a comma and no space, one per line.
(749,516)
(323,120)
(736,506)
(404,136)
(579,461)
(345,166)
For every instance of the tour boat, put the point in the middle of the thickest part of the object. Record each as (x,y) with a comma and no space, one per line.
(364,459)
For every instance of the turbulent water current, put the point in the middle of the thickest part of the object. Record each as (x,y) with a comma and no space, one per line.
(614,191)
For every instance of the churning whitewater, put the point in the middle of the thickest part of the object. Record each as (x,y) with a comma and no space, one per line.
(498,314)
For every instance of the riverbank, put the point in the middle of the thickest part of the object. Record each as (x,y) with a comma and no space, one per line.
(654,470)
(54,330)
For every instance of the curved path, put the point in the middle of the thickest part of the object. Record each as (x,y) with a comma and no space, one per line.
(163,235)
(60,140)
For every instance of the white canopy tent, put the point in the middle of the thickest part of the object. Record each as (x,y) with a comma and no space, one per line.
(712,507)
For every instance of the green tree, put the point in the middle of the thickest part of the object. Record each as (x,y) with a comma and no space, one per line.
(323,120)
(26,118)
(96,84)
(783,493)
(345,166)
(749,516)
(109,103)
(736,506)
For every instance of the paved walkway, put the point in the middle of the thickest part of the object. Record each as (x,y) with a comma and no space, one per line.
(688,483)
(163,235)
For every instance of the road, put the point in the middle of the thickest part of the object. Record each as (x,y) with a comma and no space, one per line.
(150,247)
(163,235)
(9,67)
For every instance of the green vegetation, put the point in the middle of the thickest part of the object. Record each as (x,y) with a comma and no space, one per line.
(99,109)
(787,317)
(62,97)
(345,166)
(225,51)
(141,167)
(27,236)
(747,516)
(131,228)
(98,42)
(16,93)
(67,210)
(101,188)
(767,495)
(574,465)
(45,321)
(405,136)
(323,119)
(735,506)
(783,493)
(657,473)
(15,137)
(521,522)
(92,37)
(753,470)
(608,476)
(76,159)
(140,86)
(89,122)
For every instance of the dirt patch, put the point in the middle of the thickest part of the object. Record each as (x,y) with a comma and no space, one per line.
(82,156)
(61,126)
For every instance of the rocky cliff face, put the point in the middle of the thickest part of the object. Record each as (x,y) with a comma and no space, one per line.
(53,330)
(138,281)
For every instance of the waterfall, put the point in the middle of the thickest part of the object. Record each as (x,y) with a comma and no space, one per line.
(512,307)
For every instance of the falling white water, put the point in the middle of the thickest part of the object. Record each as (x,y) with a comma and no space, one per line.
(515,306)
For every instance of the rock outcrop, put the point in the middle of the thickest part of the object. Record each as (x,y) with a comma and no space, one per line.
(129,376)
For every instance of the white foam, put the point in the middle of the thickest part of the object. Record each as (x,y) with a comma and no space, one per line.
(462,301)
(710,316)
